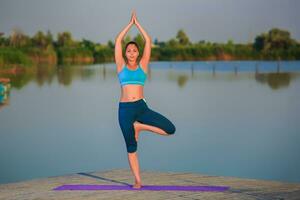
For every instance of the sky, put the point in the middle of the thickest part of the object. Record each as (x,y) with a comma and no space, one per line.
(102,20)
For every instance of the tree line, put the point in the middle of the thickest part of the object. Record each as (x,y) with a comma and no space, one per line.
(21,49)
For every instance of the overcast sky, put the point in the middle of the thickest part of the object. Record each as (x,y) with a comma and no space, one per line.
(102,20)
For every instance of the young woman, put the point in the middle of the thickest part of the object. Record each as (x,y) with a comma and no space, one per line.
(134,114)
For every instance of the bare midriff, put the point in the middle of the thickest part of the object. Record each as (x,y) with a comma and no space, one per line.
(131,92)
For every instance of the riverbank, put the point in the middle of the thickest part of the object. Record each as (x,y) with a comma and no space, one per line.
(240,188)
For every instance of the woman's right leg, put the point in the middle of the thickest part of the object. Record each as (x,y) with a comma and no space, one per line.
(135,168)
(126,120)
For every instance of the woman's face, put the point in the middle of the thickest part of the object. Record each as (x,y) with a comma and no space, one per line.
(132,53)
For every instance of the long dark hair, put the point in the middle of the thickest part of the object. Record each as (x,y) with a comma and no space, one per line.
(137,46)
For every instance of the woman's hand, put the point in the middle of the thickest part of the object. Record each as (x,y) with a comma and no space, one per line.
(135,19)
(132,20)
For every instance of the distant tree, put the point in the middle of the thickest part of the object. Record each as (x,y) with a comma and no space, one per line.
(161,44)
(280,39)
(39,40)
(3,40)
(88,44)
(64,39)
(172,43)
(49,37)
(260,42)
(230,42)
(110,44)
(275,39)
(18,38)
(182,38)
(201,42)
(229,46)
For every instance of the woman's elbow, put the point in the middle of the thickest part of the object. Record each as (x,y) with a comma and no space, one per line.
(149,39)
(118,38)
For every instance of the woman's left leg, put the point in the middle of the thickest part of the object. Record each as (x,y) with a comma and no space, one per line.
(155,122)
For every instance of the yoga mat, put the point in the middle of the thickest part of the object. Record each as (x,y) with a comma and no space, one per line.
(144,187)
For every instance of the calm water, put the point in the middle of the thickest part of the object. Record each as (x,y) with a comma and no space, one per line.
(233,119)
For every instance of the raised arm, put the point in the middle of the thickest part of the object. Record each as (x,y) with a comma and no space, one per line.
(118,45)
(147,49)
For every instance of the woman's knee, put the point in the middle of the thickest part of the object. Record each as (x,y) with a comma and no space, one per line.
(131,148)
(171,129)
(131,144)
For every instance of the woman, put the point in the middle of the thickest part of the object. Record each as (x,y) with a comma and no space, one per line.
(134,114)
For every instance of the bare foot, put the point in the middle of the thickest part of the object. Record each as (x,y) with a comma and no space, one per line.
(136,130)
(137,185)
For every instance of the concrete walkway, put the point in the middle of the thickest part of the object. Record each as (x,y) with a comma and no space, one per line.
(239,188)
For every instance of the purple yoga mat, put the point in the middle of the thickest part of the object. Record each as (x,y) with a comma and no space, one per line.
(144,187)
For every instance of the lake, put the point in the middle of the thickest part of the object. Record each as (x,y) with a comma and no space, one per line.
(232,118)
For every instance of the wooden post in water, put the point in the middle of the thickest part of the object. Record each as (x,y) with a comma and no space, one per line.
(235,70)
(104,71)
(278,65)
(256,68)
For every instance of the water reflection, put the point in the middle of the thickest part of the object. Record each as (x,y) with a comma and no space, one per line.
(274,80)
(182,79)
(270,72)
(44,74)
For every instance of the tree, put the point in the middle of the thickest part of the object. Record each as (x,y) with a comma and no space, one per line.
(275,39)
(3,40)
(182,38)
(49,37)
(88,44)
(64,39)
(260,42)
(18,38)
(172,43)
(279,39)
(40,40)
(201,42)
(110,44)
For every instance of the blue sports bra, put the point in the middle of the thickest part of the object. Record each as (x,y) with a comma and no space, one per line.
(128,76)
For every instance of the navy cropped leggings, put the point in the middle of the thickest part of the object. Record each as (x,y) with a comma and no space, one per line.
(129,112)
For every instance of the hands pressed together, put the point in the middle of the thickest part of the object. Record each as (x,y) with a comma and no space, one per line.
(133,19)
